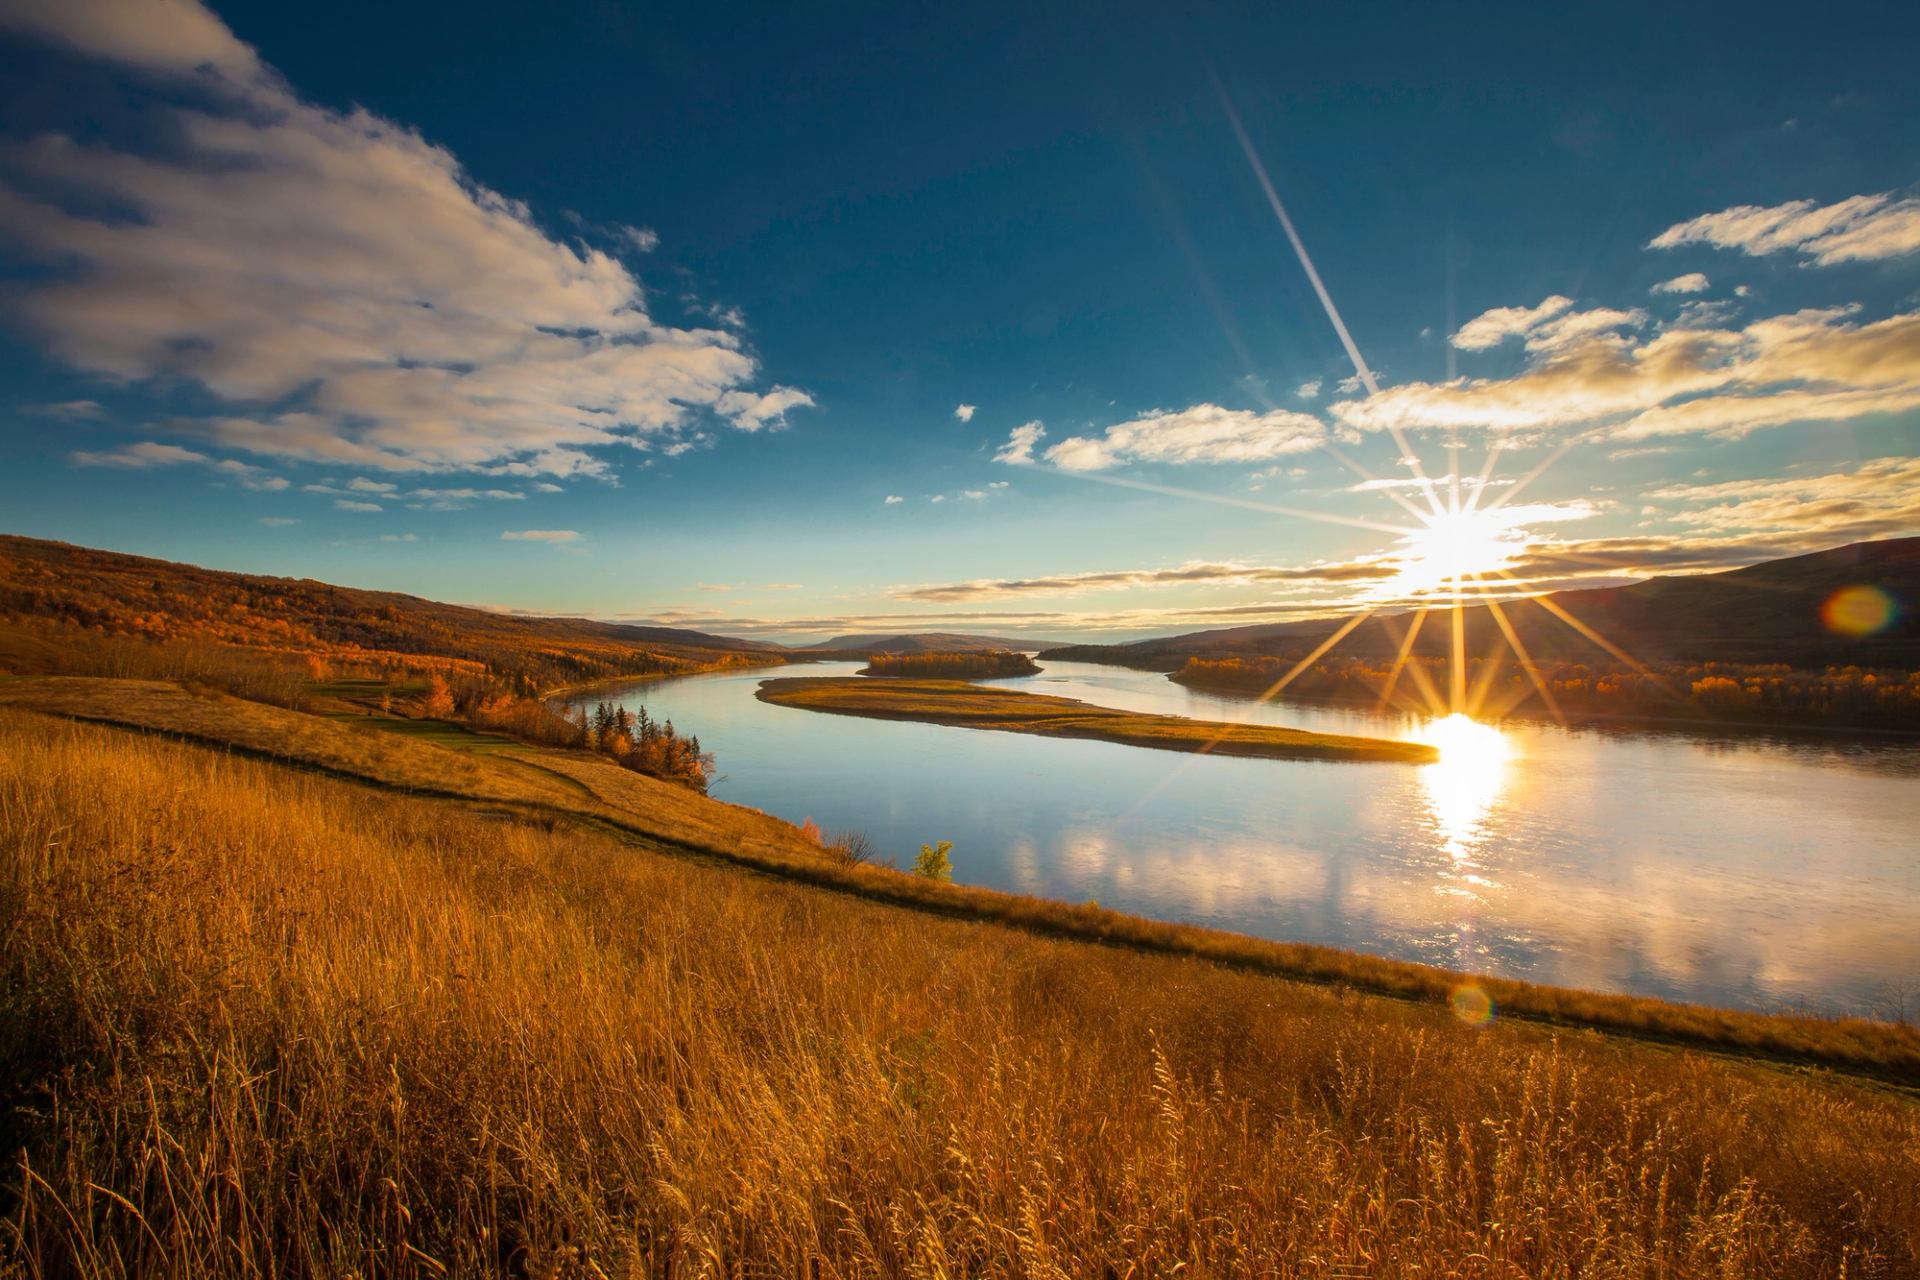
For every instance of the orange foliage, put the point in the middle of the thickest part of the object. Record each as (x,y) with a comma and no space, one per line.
(1771,693)
(984,665)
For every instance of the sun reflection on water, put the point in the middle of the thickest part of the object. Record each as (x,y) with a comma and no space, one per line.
(1462,786)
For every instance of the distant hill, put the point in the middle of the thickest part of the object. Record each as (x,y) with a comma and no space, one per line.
(926,642)
(1765,613)
(55,584)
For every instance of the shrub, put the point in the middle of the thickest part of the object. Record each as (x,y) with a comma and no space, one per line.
(933,862)
(850,848)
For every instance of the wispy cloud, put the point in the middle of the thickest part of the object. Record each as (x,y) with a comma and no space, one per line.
(1204,433)
(1548,327)
(1878,499)
(278,522)
(148,453)
(153,453)
(1018,450)
(894,500)
(964,412)
(1308,390)
(751,411)
(68,410)
(342,284)
(354,504)
(555,536)
(1815,365)
(1193,573)
(1691,282)
(1859,228)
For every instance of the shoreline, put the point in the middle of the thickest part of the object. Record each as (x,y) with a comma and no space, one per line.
(1851,1044)
(1575,719)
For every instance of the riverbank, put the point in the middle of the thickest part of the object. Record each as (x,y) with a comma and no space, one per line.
(1570,717)
(581,790)
(972,706)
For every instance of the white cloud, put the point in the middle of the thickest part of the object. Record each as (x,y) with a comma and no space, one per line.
(1692,282)
(1550,325)
(339,283)
(894,500)
(1203,433)
(1815,365)
(1705,313)
(644,239)
(964,412)
(170,37)
(353,504)
(542,535)
(399,537)
(1020,443)
(1192,573)
(751,411)
(68,409)
(1878,499)
(1491,328)
(277,522)
(1859,228)
(1308,390)
(360,484)
(148,453)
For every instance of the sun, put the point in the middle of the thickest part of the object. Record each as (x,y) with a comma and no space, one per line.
(1450,547)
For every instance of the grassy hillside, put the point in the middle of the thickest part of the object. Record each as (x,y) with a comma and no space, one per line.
(255,1021)
(53,595)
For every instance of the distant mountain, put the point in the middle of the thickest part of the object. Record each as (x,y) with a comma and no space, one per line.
(56,583)
(1765,613)
(925,642)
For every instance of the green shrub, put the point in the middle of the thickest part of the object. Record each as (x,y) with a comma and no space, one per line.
(933,862)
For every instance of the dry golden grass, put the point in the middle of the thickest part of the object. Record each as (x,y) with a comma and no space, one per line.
(574,782)
(580,787)
(260,1022)
(976,706)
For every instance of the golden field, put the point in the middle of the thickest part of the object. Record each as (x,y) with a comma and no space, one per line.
(266,1022)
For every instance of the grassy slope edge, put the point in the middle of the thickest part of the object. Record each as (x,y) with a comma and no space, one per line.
(975,706)
(581,788)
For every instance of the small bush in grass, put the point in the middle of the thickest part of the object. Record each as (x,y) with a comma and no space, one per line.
(851,848)
(933,862)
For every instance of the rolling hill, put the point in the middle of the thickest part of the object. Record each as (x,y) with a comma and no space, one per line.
(924,642)
(1765,613)
(55,584)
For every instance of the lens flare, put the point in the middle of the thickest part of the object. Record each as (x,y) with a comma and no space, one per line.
(1858,611)
(1472,1005)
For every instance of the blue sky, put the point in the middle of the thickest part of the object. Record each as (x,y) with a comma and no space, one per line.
(642,314)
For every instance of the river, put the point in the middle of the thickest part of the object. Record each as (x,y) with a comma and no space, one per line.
(1746,871)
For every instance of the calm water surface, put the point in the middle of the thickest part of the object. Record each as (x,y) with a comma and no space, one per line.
(1736,871)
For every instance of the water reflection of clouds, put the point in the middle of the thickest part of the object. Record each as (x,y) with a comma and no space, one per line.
(1745,872)
(1659,930)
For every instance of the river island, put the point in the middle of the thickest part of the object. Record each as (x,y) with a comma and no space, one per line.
(974,706)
